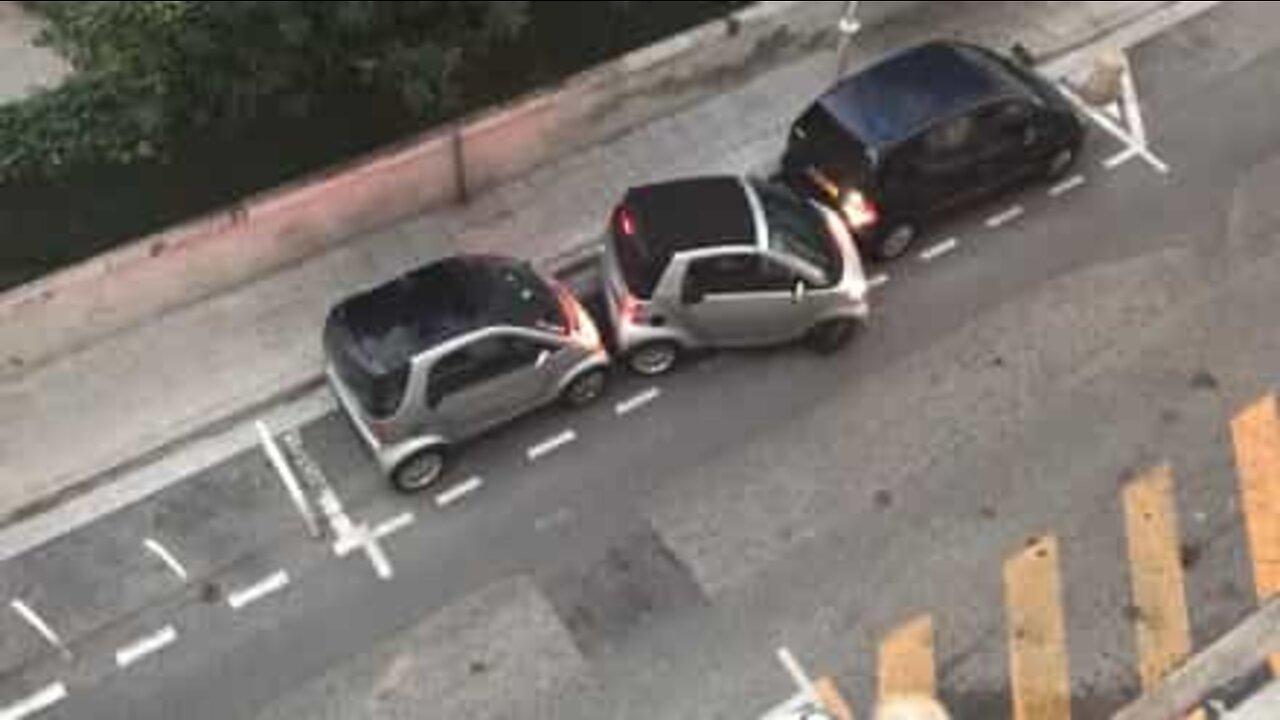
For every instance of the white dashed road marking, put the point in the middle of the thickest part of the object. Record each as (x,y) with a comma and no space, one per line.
(540,451)
(998,221)
(1066,186)
(454,494)
(146,647)
(258,591)
(404,521)
(41,701)
(939,250)
(878,281)
(38,624)
(167,558)
(627,407)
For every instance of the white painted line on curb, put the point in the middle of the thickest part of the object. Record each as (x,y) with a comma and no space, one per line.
(998,221)
(41,701)
(454,494)
(38,624)
(400,522)
(167,558)
(939,250)
(1072,183)
(878,281)
(629,406)
(540,451)
(258,591)
(146,647)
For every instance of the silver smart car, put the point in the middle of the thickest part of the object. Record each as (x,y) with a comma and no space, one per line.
(728,262)
(453,349)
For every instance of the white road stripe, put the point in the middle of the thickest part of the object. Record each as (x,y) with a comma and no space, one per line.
(998,221)
(878,281)
(939,250)
(147,646)
(167,558)
(258,591)
(1072,183)
(540,451)
(38,624)
(41,701)
(629,406)
(394,525)
(454,494)
(1121,158)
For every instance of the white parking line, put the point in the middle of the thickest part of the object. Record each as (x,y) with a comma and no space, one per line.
(538,452)
(627,407)
(41,701)
(38,624)
(258,591)
(400,522)
(1120,158)
(167,558)
(998,221)
(132,654)
(939,250)
(454,494)
(1072,183)
(878,281)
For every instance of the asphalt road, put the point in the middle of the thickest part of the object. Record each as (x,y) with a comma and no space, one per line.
(1005,389)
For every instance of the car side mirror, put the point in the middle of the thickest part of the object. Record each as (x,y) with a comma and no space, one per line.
(799,292)
(544,357)
(1023,55)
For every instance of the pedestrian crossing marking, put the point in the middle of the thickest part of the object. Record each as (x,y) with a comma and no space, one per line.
(907,661)
(1256,435)
(1039,669)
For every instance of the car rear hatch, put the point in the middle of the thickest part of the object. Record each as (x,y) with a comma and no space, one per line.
(376,389)
(828,158)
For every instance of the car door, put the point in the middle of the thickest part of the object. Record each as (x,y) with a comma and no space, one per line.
(1009,135)
(941,168)
(488,382)
(740,299)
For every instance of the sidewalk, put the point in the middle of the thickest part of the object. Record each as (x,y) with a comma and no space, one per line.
(65,425)
(23,66)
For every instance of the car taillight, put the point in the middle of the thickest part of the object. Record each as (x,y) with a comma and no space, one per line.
(626,222)
(631,310)
(858,211)
(381,431)
(580,325)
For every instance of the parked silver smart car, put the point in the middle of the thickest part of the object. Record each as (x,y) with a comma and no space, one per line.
(728,262)
(453,349)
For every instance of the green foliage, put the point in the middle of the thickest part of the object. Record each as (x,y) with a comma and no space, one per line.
(148,69)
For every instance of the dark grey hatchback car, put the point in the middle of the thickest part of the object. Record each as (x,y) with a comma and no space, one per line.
(928,130)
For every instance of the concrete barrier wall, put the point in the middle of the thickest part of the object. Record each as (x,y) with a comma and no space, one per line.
(100,296)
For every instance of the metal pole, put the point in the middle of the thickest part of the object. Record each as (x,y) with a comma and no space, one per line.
(848,27)
(290,481)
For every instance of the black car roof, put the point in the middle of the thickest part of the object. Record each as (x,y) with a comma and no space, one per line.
(395,322)
(892,100)
(689,214)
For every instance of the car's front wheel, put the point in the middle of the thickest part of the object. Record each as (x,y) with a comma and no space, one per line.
(419,471)
(586,388)
(655,358)
(831,336)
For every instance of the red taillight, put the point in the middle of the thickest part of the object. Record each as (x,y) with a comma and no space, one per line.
(580,325)
(626,223)
(631,310)
(858,211)
(381,431)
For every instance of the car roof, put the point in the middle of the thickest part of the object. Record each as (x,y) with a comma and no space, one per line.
(892,100)
(691,214)
(399,320)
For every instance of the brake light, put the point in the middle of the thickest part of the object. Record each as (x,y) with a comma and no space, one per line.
(580,326)
(631,310)
(858,211)
(626,223)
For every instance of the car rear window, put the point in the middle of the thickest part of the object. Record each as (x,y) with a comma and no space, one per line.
(640,266)
(378,390)
(832,149)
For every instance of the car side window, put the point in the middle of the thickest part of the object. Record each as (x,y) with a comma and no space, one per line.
(738,273)
(1007,123)
(480,362)
(950,139)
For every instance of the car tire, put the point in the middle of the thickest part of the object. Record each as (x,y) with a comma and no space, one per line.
(586,389)
(895,242)
(654,358)
(1060,164)
(419,471)
(831,336)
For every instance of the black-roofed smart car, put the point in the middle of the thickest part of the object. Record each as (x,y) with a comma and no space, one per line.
(453,349)
(924,131)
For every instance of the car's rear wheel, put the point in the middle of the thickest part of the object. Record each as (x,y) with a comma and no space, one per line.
(1060,164)
(831,336)
(586,388)
(655,358)
(895,242)
(419,471)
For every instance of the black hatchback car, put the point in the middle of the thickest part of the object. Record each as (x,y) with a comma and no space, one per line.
(927,130)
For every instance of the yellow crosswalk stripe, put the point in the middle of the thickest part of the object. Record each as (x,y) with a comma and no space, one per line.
(1039,670)
(831,699)
(1161,618)
(1256,433)
(907,663)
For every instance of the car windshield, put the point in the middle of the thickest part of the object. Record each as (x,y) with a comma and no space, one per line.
(797,228)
